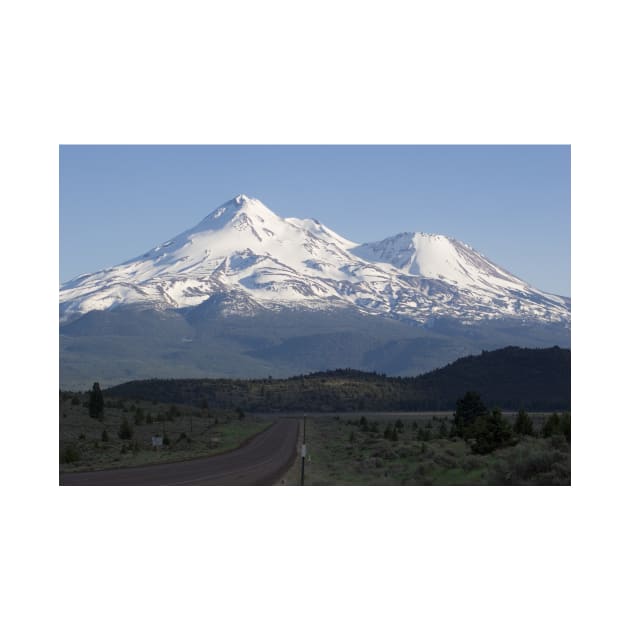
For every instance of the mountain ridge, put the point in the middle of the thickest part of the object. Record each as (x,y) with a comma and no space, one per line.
(242,246)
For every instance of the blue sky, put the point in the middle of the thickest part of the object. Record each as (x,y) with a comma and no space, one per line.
(511,203)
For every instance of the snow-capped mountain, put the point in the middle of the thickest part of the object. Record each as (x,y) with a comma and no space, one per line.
(246,259)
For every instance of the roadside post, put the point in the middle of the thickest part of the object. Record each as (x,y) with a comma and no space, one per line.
(303,449)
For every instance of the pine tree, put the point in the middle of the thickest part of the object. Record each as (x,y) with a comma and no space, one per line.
(139,417)
(96,403)
(467,410)
(125,432)
(523,424)
(490,431)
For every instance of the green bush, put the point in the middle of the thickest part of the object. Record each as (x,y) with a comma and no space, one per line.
(125,432)
(69,454)
(558,425)
(489,432)
(534,462)
(565,425)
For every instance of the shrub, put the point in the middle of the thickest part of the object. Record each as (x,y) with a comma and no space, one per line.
(532,463)
(559,442)
(565,425)
(553,426)
(471,462)
(69,454)
(75,400)
(125,432)
(489,432)
(104,436)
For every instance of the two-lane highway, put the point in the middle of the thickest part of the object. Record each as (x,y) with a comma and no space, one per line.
(261,461)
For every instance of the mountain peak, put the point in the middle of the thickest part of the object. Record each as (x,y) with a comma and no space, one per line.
(231,208)
(241,200)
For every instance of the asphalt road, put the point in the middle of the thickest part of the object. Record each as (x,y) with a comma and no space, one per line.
(261,461)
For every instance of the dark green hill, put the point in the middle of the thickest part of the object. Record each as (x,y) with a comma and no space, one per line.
(511,378)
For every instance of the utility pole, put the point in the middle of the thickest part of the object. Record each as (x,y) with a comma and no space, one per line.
(303,449)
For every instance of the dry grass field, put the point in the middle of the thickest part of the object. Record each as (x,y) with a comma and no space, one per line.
(92,444)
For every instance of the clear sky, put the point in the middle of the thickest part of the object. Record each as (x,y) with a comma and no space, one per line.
(511,203)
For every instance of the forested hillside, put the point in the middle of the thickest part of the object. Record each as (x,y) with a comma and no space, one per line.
(510,378)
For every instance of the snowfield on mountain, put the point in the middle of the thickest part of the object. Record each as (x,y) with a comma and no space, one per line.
(245,260)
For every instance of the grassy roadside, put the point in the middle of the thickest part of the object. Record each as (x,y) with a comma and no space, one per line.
(95,444)
(344,450)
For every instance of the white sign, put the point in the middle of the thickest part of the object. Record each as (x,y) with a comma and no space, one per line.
(156,440)
(303,450)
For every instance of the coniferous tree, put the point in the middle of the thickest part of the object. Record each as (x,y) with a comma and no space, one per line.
(467,410)
(139,417)
(96,402)
(125,432)
(490,431)
(523,424)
